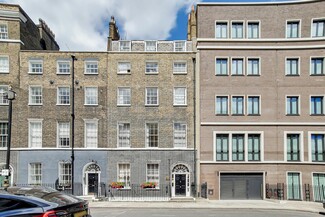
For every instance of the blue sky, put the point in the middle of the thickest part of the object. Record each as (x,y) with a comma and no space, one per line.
(82,25)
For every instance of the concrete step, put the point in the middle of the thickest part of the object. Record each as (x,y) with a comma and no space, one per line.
(182,199)
(87,197)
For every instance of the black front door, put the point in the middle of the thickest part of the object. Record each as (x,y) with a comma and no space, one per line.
(180,185)
(92,183)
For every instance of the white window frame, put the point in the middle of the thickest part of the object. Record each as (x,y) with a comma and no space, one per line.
(323,66)
(260,105)
(179,49)
(323,109)
(184,96)
(301,145)
(179,72)
(215,65)
(146,96)
(149,47)
(298,31)
(215,28)
(121,70)
(243,29)
(127,184)
(231,66)
(31,134)
(90,121)
(244,104)
(4,34)
(59,135)
(310,158)
(118,135)
(88,71)
(125,45)
(90,104)
(62,181)
(39,69)
(4,69)
(65,71)
(300,183)
(3,135)
(157,176)
(285,65)
(146,136)
(31,169)
(259,28)
(121,103)
(151,73)
(312,27)
(30,96)
(5,89)
(286,105)
(259,66)
(181,123)
(215,104)
(58,102)
(246,133)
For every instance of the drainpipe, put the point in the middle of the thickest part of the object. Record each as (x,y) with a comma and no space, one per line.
(194,136)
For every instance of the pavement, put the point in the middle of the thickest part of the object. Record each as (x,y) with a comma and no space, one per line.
(216,204)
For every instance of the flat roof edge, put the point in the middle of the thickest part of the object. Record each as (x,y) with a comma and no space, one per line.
(256,3)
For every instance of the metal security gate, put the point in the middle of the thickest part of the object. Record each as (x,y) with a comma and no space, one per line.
(236,186)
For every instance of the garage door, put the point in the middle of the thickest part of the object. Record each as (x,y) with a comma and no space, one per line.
(241,186)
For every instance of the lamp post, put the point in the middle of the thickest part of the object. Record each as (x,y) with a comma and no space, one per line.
(10,95)
(72,123)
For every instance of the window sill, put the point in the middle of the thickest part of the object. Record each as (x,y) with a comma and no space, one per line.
(35,73)
(152,105)
(4,104)
(317,115)
(237,114)
(35,104)
(63,104)
(235,75)
(317,75)
(254,115)
(183,105)
(151,73)
(90,105)
(222,75)
(124,73)
(222,114)
(179,73)
(288,75)
(4,72)
(121,105)
(294,115)
(253,75)
(60,73)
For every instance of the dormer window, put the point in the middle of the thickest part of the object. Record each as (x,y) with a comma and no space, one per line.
(180,46)
(125,45)
(151,45)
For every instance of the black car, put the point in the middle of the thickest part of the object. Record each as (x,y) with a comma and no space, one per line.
(40,202)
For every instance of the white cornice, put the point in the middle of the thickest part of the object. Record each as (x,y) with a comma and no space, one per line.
(262,123)
(13,15)
(262,162)
(275,40)
(256,3)
(99,149)
(243,47)
(11,41)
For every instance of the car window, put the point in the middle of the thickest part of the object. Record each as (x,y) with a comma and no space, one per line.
(9,204)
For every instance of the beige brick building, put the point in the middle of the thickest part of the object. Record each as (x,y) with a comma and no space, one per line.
(261,89)
(134,111)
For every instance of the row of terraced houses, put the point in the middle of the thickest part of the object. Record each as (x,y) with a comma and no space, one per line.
(236,111)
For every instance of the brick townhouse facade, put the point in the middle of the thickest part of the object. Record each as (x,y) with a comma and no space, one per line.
(134,110)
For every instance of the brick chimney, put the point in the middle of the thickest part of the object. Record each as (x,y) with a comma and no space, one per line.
(191,24)
(113,33)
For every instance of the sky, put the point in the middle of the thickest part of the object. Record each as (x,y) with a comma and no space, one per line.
(82,25)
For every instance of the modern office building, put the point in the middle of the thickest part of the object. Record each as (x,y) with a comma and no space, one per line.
(133,109)
(261,89)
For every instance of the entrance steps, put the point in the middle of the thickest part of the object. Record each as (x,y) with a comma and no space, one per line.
(182,199)
(89,198)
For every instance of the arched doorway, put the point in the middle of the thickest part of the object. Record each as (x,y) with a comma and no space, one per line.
(11,178)
(91,179)
(180,181)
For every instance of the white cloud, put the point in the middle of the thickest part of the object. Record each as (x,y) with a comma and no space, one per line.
(83,25)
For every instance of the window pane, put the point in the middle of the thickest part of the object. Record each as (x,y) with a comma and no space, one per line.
(180,96)
(4,64)
(91,95)
(152,96)
(222,105)
(124,135)
(124,174)
(179,135)
(91,135)
(222,144)
(152,134)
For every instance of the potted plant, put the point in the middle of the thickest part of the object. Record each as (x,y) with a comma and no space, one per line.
(117,185)
(149,185)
